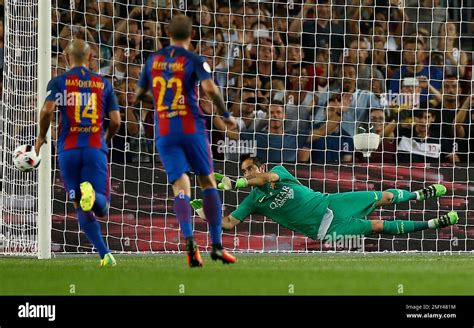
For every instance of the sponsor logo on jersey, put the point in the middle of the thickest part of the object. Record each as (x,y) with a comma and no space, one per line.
(283,196)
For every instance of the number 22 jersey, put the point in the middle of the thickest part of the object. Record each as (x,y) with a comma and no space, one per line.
(172,74)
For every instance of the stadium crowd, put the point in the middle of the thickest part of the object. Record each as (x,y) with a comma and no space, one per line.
(301,77)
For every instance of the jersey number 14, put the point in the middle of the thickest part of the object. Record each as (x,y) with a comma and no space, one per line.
(90,109)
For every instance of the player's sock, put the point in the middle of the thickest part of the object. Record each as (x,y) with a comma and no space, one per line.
(213,210)
(400,195)
(91,228)
(182,209)
(445,220)
(100,205)
(400,227)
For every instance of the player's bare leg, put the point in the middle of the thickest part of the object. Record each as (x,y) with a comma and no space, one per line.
(213,211)
(182,209)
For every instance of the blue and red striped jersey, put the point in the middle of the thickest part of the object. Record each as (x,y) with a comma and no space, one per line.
(84,99)
(172,75)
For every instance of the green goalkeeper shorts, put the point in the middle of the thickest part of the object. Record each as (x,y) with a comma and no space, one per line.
(350,210)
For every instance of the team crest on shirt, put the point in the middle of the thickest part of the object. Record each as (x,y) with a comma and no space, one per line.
(206,67)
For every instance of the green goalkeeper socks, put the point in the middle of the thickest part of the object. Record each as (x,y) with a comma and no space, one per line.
(400,195)
(400,227)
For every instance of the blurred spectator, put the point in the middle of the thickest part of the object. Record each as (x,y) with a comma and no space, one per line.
(130,28)
(414,58)
(265,63)
(455,59)
(403,104)
(275,144)
(275,90)
(124,54)
(299,103)
(280,30)
(381,30)
(133,71)
(386,151)
(68,33)
(452,116)
(206,32)
(385,55)
(423,143)
(320,72)
(355,103)
(319,32)
(231,65)
(251,116)
(377,86)
(120,151)
(426,14)
(357,54)
(329,143)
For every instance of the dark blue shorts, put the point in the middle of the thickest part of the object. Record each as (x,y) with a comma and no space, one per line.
(185,153)
(84,164)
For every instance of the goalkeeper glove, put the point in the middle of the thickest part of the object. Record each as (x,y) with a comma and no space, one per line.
(224,182)
(196,204)
(241,183)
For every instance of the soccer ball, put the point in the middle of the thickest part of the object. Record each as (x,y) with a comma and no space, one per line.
(25,158)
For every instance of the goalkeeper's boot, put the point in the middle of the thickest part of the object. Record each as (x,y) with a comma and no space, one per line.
(87,196)
(193,255)
(218,253)
(451,218)
(435,190)
(108,260)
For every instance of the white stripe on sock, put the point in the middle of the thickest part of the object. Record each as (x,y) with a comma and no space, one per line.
(432,224)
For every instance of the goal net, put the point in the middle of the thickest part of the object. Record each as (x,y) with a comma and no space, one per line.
(302,78)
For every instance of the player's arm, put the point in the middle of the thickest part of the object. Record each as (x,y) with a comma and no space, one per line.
(114,125)
(260,179)
(141,91)
(46,115)
(113,111)
(140,94)
(460,117)
(225,183)
(229,222)
(212,91)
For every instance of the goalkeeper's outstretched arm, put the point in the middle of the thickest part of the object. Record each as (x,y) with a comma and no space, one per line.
(229,222)
(257,180)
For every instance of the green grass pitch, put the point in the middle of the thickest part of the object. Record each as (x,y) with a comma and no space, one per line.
(256,274)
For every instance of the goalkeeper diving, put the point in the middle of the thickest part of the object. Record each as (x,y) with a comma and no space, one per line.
(280,196)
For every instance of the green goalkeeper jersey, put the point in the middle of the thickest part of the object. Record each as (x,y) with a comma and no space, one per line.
(286,202)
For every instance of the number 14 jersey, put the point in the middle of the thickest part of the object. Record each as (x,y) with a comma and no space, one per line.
(84,99)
